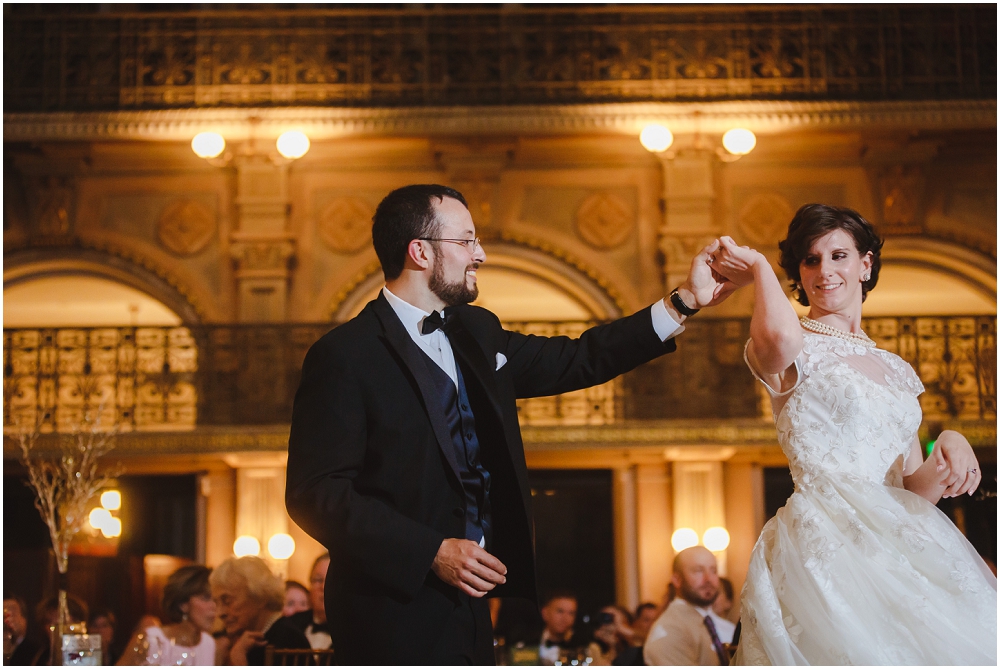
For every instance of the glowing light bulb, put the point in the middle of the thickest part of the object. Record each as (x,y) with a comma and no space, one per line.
(246,545)
(293,144)
(111,500)
(99,518)
(113,528)
(208,144)
(682,538)
(739,141)
(656,138)
(715,539)
(281,546)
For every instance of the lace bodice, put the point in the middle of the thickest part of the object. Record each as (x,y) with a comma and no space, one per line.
(852,412)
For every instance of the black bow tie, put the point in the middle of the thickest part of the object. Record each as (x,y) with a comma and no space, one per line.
(433,322)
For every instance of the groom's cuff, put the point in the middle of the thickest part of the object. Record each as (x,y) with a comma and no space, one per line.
(664,326)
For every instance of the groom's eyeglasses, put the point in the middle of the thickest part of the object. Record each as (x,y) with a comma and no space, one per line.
(470,244)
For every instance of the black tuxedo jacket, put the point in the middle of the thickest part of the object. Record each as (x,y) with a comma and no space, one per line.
(372,473)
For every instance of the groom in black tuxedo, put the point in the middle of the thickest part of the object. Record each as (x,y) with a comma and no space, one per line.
(405,457)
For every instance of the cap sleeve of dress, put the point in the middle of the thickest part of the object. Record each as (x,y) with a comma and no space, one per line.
(771,391)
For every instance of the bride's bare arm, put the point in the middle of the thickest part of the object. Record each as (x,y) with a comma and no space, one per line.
(775,333)
(951,469)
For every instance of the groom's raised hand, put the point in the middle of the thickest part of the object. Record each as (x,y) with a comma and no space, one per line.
(703,286)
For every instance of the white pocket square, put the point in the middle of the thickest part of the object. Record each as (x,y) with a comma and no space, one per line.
(501,361)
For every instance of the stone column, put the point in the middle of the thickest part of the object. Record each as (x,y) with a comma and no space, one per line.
(261,245)
(655,524)
(473,167)
(688,201)
(626,536)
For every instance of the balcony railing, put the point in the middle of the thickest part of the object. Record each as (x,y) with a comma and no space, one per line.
(92,57)
(160,379)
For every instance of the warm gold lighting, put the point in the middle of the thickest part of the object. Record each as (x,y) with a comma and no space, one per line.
(739,141)
(281,546)
(100,518)
(246,545)
(293,144)
(716,539)
(208,144)
(682,538)
(112,528)
(111,500)
(656,138)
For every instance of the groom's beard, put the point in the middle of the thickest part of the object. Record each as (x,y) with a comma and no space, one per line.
(452,293)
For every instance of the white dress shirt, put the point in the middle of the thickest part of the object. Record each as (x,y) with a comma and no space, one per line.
(438,348)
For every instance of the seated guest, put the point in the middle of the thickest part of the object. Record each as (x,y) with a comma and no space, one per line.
(102,622)
(312,622)
(723,604)
(25,649)
(559,616)
(249,600)
(645,615)
(296,598)
(189,614)
(689,632)
(612,642)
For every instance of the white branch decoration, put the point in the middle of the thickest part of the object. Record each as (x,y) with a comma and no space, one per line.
(66,480)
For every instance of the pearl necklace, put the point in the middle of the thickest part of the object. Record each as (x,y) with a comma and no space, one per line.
(824,329)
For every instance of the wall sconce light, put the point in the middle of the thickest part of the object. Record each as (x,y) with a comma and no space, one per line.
(715,539)
(281,546)
(736,142)
(211,146)
(246,545)
(656,138)
(292,144)
(683,537)
(208,144)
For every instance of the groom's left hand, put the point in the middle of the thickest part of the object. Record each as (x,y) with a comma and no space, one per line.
(703,286)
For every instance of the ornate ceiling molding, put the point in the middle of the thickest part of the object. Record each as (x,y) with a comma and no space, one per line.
(766,117)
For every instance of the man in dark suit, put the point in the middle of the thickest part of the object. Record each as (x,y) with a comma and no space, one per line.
(405,457)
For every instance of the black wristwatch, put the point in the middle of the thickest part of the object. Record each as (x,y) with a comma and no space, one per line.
(675,299)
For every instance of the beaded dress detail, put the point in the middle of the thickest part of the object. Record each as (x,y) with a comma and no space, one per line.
(854,569)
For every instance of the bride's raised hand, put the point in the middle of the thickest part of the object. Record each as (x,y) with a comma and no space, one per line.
(963,475)
(735,262)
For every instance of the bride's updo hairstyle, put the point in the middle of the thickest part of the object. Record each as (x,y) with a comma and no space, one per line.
(813,221)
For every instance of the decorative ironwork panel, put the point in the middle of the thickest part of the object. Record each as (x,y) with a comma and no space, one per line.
(598,405)
(175,378)
(141,378)
(956,358)
(62,57)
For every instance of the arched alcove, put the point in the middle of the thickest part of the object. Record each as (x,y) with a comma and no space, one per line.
(78,280)
(517,284)
(81,300)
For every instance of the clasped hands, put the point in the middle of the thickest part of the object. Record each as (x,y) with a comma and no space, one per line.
(717,271)
(467,566)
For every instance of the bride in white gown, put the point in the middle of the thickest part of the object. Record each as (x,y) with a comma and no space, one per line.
(859,566)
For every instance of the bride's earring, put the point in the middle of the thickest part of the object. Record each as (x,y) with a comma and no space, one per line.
(866,276)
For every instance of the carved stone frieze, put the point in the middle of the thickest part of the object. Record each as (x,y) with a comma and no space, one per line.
(604,220)
(345,224)
(435,55)
(186,227)
(629,118)
(679,249)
